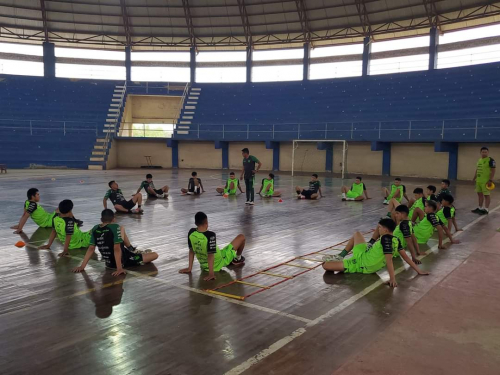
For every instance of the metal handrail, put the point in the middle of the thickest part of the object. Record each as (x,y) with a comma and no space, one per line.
(183,98)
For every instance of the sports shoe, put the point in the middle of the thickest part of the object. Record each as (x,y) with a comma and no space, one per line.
(476,211)
(483,212)
(386,201)
(251,203)
(189,193)
(302,197)
(331,258)
(135,211)
(344,199)
(237,262)
(247,202)
(159,195)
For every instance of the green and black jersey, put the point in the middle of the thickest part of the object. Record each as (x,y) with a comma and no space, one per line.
(483,171)
(146,185)
(314,186)
(441,193)
(202,244)
(66,226)
(249,166)
(445,214)
(116,197)
(105,237)
(41,217)
(403,232)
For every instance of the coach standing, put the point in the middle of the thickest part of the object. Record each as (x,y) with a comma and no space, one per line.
(248,172)
(485,171)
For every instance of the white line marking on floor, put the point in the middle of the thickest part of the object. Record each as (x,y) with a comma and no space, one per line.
(299,332)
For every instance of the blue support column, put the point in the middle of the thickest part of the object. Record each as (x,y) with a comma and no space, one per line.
(49,60)
(367,50)
(433,48)
(174,145)
(307,52)
(128,63)
(249,64)
(192,64)
(452,149)
(328,147)
(275,146)
(224,146)
(385,147)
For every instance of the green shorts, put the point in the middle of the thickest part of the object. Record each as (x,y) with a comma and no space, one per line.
(353,264)
(82,241)
(481,188)
(422,236)
(351,194)
(228,254)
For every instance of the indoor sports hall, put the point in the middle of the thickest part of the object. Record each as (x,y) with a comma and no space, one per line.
(249,187)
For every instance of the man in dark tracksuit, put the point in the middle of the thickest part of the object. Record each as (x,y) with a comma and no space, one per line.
(248,172)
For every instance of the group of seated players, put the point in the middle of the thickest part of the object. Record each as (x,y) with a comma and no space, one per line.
(406,227)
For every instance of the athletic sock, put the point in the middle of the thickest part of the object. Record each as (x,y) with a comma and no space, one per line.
(238,257)
(372,241)
(486,209)
(343,195)
(349,199)
(343,253)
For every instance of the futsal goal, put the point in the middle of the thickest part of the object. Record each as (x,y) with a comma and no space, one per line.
(297,143)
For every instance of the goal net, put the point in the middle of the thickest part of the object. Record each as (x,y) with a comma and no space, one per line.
(303,150)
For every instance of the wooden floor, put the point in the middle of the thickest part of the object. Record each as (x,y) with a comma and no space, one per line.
(157,321)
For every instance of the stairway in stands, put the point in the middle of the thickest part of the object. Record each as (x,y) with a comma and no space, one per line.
(188,110)
(103,142)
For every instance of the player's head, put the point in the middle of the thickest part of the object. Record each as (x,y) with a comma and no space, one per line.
(232,175)
(194,174)
(65,206)
(113,185)
(107,216)
(386,226)
(149,177)
(430,207)
(271,176)
(431,189)
(397,181)
(201,220)
(447,200)
(314,176)
(485,151)
(419,193)
(245,152)
(358,179)
(402,212)
(33,194)
(445,184)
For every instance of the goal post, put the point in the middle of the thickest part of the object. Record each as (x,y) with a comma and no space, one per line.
(297,142)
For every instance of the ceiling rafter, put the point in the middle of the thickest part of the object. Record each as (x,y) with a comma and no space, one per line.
(432,13)
(189,22)
(246,24)
(44,20)
(363,16)
(304,21)
(126,24)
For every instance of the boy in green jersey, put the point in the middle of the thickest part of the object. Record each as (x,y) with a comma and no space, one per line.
(114,246)
(149,187)
(398,191)
(356,192)
(447,212)
(232,185)
(66,230)
(195,187)
(485,172)
(416,206)
(33,209)
(445,184)
(115,195)
(202,244)
(431,193)
(314,190)
(370,260)
(425,229)
(267,187)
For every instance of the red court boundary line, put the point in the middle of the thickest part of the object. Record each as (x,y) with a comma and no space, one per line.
(289,277)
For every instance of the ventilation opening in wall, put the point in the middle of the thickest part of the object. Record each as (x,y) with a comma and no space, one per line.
(153,130)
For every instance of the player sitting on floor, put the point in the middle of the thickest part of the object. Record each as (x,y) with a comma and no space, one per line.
(267,187)
(425,229)
(358,189)
(404,232)
(114,246)
(370,260)
(202,244)
(314,190)
(115,195)
(447,212)
(398,191)
(66,230)
(194,186)
(416,206)
(151,191)
(33,209)
(431,193)
(232,185)
(445,184)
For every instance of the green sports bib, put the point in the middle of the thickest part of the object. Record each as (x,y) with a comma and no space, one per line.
(358,188)
(484,166)
(265,184)
(394,189)
(235,182)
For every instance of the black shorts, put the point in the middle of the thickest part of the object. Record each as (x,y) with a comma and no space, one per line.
(157,191)
(130,259)
(195,190)
(307,193)
(128,205)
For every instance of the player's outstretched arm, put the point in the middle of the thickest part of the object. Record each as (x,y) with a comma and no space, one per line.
(211,274)
(105,203)
(413,251)
(86,259)
(390,269)
(191,261)
(411,263)
(51,240)
(66,245)
(22,221)
(118,261)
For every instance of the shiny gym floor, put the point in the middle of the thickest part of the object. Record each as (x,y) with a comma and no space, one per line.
(156,321)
